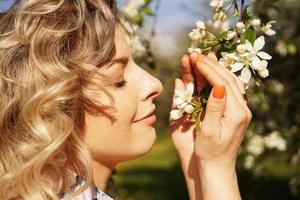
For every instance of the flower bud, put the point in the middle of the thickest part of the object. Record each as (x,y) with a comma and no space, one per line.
(240,26)
(267,29)
(195,35)
(189,109)
(175,114)
(230,35)
(200,24)
(192,49)
(256,22)
(241,48)
(263,73)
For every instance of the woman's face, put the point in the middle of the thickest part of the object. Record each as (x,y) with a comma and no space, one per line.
(133,90)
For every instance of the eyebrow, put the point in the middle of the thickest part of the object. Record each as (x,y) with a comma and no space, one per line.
(122,60)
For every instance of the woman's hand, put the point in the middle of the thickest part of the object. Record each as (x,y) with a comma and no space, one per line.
(212,150)
(223,128)
(183,132)
(227,114)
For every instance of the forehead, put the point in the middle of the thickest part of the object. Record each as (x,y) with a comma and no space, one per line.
(121,43)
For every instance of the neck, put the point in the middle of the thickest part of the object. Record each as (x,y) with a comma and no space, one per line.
(101,173)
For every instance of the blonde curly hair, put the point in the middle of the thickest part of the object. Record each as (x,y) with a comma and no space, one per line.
(49,52)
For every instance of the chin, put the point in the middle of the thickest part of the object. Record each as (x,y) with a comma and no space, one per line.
(144,144)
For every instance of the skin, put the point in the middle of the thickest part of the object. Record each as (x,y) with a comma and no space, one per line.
(124,139)
(205,155)
(208,156)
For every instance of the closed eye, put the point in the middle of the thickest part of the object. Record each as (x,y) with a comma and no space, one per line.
(120,84)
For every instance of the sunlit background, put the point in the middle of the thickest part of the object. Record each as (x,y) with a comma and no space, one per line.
(273,173)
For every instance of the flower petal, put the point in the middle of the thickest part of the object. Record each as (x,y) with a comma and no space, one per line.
(181,106)
(178,100)
(259,43)
(264,55)
(190,89)
(270,32)
(263,73)
(249,46)
(176,114)
(179,93)
(256,63)
(245,75)
(237,66)
(264,64)
(189,109)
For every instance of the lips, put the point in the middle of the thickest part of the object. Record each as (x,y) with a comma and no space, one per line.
(148,114)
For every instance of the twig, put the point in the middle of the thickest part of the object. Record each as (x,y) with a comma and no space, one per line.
(242,9)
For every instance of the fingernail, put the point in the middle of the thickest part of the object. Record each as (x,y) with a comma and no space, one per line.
(219,91)
(194,54)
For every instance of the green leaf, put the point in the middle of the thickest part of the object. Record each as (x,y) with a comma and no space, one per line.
(236,11)
(138,19)
(221,36)
(147,10)
(250,35)
(246,14)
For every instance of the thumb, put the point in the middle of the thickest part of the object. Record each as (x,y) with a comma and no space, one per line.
(214,111)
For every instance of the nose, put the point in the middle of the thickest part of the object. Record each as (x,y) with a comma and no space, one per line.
(152,87)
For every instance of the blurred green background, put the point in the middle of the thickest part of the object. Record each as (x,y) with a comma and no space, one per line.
(275,106)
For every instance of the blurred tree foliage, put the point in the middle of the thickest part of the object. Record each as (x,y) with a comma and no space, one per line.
(275,104)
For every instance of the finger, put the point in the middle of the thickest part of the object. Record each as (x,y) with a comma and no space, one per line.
(234,81)
(212,56)
(215,79)
(200,80)
(239,83)
(187,71)
(235,112)
(214,112)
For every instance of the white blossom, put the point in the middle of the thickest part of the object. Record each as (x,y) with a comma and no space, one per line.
(137,46)
(217,3)
(253,58)
(256,145)
(182,101)
(192,49)
(255,22)
(197,34)
(263,73)
(176,114)
(200,24)
(281,48)
(241,48)
(274,140)
(240,26)
(230,35)
(249,161)
(228,59)
(217,26)
(131,8)
(189,109)
(267,29)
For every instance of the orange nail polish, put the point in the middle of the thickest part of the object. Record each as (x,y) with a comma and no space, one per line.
(219,91)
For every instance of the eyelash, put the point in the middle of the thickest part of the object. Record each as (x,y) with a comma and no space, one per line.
(121,84)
